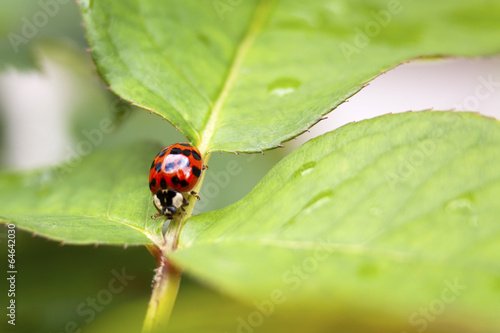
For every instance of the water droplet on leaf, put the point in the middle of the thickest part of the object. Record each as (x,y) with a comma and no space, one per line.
(305,169)
(461,205)
(464,206)
(318,201)
(283,86)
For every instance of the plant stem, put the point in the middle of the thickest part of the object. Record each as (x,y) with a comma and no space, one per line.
(165,283)
(165,288)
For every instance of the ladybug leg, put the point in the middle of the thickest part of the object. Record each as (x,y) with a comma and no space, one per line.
(195,194)
(156,216)
(204,167)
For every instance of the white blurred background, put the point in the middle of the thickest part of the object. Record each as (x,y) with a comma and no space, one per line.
(449,84)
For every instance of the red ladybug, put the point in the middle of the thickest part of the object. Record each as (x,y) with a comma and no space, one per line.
(175,170)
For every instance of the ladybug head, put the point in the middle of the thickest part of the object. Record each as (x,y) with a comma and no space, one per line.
(168,202)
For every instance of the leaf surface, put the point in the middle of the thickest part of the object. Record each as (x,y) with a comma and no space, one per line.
(248,75)
(389,214)
(99,199)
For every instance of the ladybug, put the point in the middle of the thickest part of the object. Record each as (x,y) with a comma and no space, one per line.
(174,171)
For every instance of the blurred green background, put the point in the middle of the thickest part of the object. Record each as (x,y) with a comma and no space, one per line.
(57,284)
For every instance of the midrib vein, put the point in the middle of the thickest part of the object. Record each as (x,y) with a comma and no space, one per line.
(260,14)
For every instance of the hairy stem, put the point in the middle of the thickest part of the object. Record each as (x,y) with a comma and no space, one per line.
(165,287)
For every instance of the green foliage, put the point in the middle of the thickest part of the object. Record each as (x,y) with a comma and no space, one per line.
(356,212)
(103,198)
(380,217)
(388,210)
(246,77)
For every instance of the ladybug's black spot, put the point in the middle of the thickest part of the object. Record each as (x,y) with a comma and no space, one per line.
(196,171)
(196,155)
(184,162)
(186,152)
(158,167)
(153,183)
(162,152)
(186,144)
(175,180)
(184,183)
(175,151)
(163,183)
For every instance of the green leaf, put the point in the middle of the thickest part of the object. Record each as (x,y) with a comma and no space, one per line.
(247,75)
(385,214)
(99,199)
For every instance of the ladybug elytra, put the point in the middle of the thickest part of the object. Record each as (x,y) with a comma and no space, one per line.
(174,171)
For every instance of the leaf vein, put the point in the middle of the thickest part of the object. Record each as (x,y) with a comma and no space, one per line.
(261,13)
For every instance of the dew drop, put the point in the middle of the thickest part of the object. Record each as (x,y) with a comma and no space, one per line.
(464,206)
(318,201)
(305,169)
(283,86)
(460,205)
